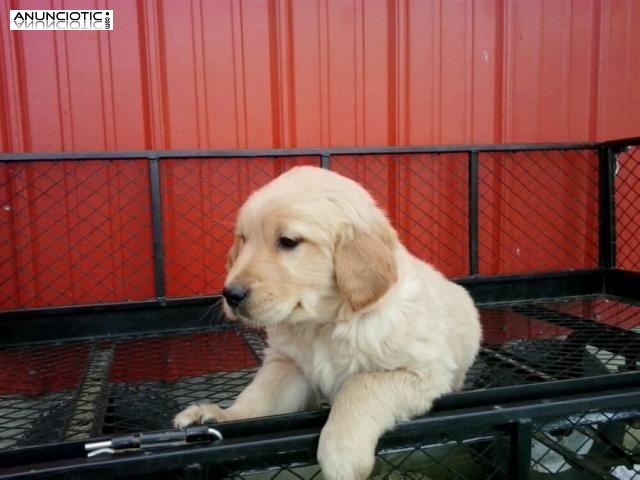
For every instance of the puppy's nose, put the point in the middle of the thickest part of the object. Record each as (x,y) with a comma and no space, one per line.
(235,295)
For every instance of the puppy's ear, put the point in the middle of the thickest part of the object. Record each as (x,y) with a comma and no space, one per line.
(234,251)
(365,264)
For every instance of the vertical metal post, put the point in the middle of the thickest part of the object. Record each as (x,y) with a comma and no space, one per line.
(473,213)
(156,226)
(607,225)
(520,450)
(325,161)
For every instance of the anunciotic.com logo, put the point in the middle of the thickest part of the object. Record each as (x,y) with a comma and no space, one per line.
(61,19)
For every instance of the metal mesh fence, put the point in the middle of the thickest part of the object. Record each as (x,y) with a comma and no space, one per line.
(85,388)
(80,232)
(74,232)
(584,445)
(426,198)
(538,211)
(455,455)
(469,455)
(540,341)
(627,201)
(592,445)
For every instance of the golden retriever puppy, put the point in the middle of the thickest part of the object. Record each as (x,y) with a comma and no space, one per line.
(351,316)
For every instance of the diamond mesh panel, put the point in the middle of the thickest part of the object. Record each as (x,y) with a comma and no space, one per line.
(82,389)
(538,211)
(593,445)
(79,389)
(80,232)
(200,201)
(74,232)
(540,341)
(464,455)
(628,209)
(426,199)
(588,445)
(443,457)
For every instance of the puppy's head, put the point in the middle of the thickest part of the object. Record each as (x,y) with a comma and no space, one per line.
(307,244)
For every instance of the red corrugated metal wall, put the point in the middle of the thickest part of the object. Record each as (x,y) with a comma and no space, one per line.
(260,74)
(264,74)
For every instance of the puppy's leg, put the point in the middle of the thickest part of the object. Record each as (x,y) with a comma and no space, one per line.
(278,387)
(458,382)
(365,407)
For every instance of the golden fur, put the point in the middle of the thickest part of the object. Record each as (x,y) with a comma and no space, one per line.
(351,316)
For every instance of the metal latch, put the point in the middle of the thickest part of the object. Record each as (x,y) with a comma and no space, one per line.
(142,441)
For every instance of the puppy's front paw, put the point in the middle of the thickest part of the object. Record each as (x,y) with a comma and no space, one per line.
(199,414)
(344,458)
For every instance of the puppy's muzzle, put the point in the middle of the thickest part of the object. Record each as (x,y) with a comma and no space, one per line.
(235,295)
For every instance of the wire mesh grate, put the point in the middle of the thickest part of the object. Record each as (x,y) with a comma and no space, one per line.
(80,389)
(538,211)
(441,457)
(80,232)
(530,342)
(74,232)
(467,455)
(426,198)
(592,445)
(627,208)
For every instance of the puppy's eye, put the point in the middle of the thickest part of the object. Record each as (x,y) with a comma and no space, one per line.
(286,243)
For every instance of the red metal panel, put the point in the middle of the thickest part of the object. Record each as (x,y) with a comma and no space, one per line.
(223,99)
(66,91)
(264,73)
(618,93)
(277,73)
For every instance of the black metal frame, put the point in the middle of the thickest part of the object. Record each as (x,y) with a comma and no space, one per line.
(278,439)
(484,288)
(180,314)
(297,434)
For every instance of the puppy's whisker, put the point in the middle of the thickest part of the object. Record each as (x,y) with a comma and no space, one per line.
(210,311)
